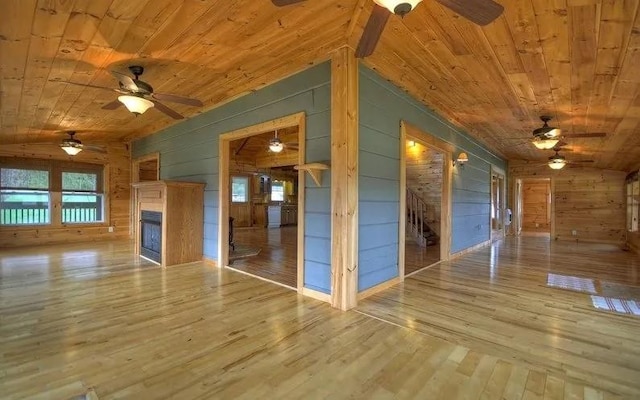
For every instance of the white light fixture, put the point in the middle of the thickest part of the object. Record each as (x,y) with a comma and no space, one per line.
(412,143)
(399,7)
(544,144)
(461,160)
(275,144)
(557,161)
(70,149)
(136,104)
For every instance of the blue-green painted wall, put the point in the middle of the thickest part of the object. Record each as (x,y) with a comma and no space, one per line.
(189,152)
(382,107)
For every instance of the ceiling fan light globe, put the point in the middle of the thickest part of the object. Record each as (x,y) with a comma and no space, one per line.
(557,164)
(275,145)
(135,104)
(398,7)
(545,144)
(70,150)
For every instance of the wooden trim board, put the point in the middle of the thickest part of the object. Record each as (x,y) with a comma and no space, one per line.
(380,287)
(470,249)
(314,294)
(344,179)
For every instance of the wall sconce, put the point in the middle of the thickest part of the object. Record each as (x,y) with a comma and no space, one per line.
(462,159)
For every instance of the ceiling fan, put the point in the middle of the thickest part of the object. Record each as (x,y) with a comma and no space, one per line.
(558,161)
(480,12)
(73,146)
(276,145)
(549,137)
(138,96)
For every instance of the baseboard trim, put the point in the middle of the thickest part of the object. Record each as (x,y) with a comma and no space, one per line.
(314,294)
(470,249)
(378,288)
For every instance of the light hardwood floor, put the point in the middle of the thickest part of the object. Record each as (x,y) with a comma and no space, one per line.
(278,251)
(532,302)
(92,316)
(417,258)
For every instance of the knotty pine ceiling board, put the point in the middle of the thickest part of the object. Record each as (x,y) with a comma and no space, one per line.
(576,60)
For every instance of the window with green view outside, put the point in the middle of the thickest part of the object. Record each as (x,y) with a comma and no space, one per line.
(24,197)
(239,189)
(81,198)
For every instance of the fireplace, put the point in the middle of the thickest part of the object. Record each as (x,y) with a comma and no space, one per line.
(151,235)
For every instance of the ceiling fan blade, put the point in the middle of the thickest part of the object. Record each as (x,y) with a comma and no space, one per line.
(96,149)
(585,135)
(282,3)
(162,108)
(178,99)
(480,12)
(112,105)
(125,81)
(372,31)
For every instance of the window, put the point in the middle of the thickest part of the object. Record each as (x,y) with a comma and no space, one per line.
(239,189)
(24,196)
(81,197)
(277,191)
(49,192)
(633,201)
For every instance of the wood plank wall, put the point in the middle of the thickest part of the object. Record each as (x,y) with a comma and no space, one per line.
(424,177)
(189,151)
(535,206)
(118,161)
(587,200)
(382,107)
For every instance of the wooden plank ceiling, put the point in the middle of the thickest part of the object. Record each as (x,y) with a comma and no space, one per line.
(576,60)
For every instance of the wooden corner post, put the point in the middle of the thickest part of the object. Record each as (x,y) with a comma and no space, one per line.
(344,179)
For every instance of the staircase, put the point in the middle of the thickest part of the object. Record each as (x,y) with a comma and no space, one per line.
(416,225)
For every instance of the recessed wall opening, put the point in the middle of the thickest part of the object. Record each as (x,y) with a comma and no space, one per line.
(425,204)
(263,201)
(535,207)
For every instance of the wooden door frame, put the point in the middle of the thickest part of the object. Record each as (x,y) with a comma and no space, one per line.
(447,149)
(298,119)
(135,166)
(502,206)
(517,197)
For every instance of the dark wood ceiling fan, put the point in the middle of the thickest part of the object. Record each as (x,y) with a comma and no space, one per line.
(480,12)
(138,96)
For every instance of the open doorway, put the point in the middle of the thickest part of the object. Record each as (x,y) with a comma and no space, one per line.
(498,204)
(535,207)
(425,201)
(262,198)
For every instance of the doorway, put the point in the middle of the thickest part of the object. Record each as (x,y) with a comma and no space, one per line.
(425,200)
(498,204)
(535,207)
(262,198)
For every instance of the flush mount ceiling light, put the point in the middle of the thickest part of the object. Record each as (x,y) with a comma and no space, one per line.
(544,144)
(275,144)
(398,7)
(557,161)
(546,131)
(136,104)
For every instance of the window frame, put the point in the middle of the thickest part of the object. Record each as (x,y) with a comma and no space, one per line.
(32,167)
(247,189)
(99,172)
(56,168)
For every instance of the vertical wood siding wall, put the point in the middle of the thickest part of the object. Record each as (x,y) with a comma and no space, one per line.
(189,152)
(382,107)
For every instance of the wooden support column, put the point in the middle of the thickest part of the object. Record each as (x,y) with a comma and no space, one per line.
(344,179)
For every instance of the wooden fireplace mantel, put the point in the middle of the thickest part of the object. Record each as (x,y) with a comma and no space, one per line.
(182,208)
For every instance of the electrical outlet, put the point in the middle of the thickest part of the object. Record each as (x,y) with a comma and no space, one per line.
(111,229)
(574,232)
